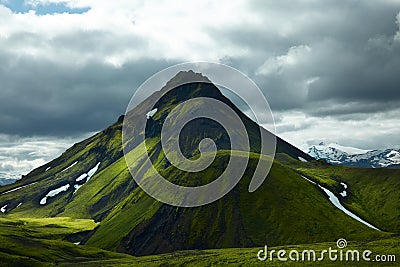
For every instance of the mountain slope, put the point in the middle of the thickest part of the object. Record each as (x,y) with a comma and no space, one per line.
(271,215)
(105,148)
(42,242)
(371,193)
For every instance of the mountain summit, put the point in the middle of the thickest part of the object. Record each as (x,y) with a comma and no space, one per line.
(91,180)
(184,77)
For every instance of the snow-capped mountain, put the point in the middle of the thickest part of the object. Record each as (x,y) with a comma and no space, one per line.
(350,156)
(7,178)
(334,153)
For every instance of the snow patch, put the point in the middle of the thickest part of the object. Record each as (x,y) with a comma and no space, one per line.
(77,243)
(344,185)
(394,156)
(93,171)
(344,193)
(15,189)
(53,193)
(70,166)
(385,164)
(48,168)
(77,186)
(308,180)
(335,201)
(86,176)
(393,153)
(3,209)
(151,113)
(81,177)
(349,150)
(302,159)
(19,205)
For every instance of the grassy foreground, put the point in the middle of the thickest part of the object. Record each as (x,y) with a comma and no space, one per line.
(248,256)
(41,242)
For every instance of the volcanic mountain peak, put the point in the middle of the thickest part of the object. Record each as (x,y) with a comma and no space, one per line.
(184,77)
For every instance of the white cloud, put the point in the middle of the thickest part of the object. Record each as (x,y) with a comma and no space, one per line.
(397,35)
(18,156)
(69,3)
(126,31)
(376,131)
(293,57)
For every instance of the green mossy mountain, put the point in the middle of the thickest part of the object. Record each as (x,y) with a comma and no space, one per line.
(285,209)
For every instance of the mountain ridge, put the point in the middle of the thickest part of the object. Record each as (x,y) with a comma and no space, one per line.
(350,156)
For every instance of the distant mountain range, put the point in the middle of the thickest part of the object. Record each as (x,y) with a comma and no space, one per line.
(7,178)
(6,181)
(350,156)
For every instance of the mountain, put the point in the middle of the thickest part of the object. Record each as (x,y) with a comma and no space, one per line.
(6,181)
(8,178)
(91,181)
(350,156)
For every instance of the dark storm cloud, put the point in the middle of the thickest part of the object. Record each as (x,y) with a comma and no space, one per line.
(371,73)
(40,97)
(293,127)
(350,110)
(323,58)
(354,55)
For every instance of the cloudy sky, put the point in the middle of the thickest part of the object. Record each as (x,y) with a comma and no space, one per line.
(329,69)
